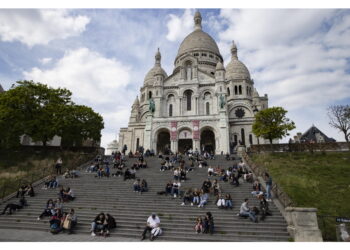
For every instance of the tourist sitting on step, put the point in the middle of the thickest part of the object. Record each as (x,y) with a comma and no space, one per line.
(245,211)
(256,189)
(21,191)
(228,201)
(187,197)
(216,187)
(55,224)
(98,225)
(206,186)
(217,171)
(58,204)
(68,195)
(220,201)
(203,199)
(49,209)
(175,191)
(198,227)
(210,171)
(196,197)
(223,176)
(164,166)
(137,185)
(176,174)
(100,172)
(264,207)
(144,186)
(70,220)
(248,176)
(109,223)
(153,225)
(14,207)
(131,155)
(182,174)
(91,168)
(234,178)
(168,188)
(208,223)
(128,175)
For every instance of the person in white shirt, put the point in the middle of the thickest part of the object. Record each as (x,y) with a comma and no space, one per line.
(153,223)
(246,212)
(210,171)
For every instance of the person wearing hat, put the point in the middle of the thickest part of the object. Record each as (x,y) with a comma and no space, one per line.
(152,226)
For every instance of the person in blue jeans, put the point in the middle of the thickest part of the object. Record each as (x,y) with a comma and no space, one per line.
(228,201)
(137,186)
(268,182)
(245,211)
(203,198)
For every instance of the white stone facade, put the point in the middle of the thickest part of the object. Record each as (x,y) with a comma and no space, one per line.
(200,105)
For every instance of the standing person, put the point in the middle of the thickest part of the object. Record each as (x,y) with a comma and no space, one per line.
(264,207)
(268,180)
(59,166)
(153,222)
(209,223)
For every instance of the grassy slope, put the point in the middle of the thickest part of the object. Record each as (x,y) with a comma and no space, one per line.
(314,180)
(28,165)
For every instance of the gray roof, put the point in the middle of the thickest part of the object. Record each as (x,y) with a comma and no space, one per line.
(310,135)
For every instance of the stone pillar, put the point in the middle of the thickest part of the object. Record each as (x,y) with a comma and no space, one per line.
(147,143)
(173,146)
(302,224)
(224,133)
(180,107)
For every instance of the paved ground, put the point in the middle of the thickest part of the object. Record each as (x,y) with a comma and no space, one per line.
(11,235)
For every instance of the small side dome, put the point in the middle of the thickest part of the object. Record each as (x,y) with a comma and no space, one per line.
(156,70)
(219,66)
(236,70)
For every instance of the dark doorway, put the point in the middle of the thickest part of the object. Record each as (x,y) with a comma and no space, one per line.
(163,142)
(208,141)
(242,137)
(184,145)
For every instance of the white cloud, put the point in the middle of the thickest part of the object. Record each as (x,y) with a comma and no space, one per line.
(99,82)
(33,26)
(45,60)
(180,26)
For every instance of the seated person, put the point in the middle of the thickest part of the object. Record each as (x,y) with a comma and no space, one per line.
(68,194)
(55,224)
(66,174)
(128,175)
(182,175)
(203,199)
(206,186)
(168,188)
(175,191)
(98,224)
(210,171)
(144,186)
(248,177)
(220,201)
(198,228)
(21,191)
(49,209)
(256,188)
(217,171)
(53,182)
(216,187)
(137,185)
(245,211)
(228,201)
(196,197)
(109,224)
(91,168)
(70,221)
(234,178)
(14,207)
(30,191)
(187,197)
(264,207)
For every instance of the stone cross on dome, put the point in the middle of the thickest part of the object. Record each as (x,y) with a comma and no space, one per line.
(197,21)
(158,57)
(234,50)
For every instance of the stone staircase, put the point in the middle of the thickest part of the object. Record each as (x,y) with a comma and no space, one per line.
(131,210)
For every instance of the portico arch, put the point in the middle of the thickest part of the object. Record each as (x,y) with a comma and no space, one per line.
(207,140)
(185,141)
(163,141)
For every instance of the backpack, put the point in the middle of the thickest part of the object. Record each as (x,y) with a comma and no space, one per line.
(54,228)
(156,231)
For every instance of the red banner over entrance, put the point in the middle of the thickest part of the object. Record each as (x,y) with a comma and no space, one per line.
(195,125)
(173,130)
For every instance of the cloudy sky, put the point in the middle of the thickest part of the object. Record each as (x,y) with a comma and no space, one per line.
(299,57)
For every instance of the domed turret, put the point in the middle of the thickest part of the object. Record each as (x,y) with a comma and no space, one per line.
(236,70)
(156,70)
(219,66)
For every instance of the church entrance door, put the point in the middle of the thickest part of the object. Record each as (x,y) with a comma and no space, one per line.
(163,142)
(208,141)
(184,145)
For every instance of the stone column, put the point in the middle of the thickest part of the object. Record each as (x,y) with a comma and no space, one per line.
(147,143)
(180,107)
(224,133)
(173,146)
(302,224)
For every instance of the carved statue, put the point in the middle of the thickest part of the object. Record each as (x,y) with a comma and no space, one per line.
(152,106)
(222,101)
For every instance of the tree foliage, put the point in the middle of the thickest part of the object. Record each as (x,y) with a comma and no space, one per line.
(339,116)
(272,123)
(41,112)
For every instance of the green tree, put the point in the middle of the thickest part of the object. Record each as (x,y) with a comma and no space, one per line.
(272,123)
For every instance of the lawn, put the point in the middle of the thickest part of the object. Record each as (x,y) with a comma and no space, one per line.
(320,180)
(26,165)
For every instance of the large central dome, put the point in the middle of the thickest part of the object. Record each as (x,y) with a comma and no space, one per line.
(198,40)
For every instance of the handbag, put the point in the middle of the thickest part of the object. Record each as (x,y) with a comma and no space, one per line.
(67,223)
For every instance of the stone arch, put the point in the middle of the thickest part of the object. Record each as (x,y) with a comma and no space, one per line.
(185,139)
(208,140)
(247,109)
(162,136)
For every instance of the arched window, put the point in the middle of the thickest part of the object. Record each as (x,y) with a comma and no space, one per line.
(250,139)
(188,95)
(236,92)
(170,110)
(235,138)
(207,110)
(247,90)
(188,69)
(240,89)
(242,136)
(150,95)
(228,91)
(137,144)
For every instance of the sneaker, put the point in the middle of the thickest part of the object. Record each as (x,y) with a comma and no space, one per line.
(38,218)
(182,204)
(152,237)
(174,195)
(269,200)
(199,205)
(93,234)
(143,237)
(191,204)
